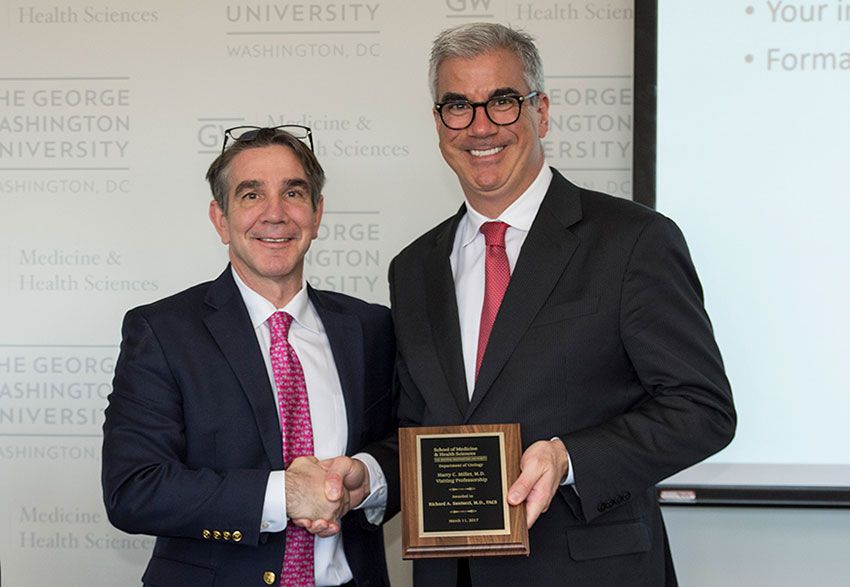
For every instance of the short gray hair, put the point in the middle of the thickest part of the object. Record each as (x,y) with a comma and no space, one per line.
(474,39)
(218,175)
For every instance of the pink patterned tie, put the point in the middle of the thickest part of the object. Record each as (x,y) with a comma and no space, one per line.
(497,274)
(297,442)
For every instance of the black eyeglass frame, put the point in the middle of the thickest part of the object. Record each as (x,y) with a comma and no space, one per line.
(282,128)
(438,106)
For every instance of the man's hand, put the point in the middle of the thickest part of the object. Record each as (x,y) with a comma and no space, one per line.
(345,482)
(346,475)
(544,466)
(306,501)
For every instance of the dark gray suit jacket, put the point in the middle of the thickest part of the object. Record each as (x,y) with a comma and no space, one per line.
(601,340)
(192,432)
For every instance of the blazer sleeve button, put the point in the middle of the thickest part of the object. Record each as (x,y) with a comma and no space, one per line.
(216,535)
(269,578)
(226,534)
(206,534)
(237,536)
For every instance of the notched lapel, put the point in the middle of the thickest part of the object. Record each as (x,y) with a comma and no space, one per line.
(345,335)
(231,328)
(545,254)
(443,314)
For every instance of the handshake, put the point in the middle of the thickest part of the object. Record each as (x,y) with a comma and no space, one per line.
(320,493)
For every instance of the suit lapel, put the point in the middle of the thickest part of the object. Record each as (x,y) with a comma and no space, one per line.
(544,256)
(345,335)
(230,326)
(442,311)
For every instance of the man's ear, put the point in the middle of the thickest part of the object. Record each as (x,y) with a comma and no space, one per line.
(219,221)
(317,220)
(542,109)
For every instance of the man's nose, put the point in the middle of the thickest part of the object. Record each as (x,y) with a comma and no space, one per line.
(481,123)
(275,210)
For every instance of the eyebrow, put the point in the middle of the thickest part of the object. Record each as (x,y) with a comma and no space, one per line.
(253,184)
(295,183)
(247,184)
(506,91)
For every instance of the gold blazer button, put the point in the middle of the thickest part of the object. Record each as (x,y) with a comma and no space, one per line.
(269,578)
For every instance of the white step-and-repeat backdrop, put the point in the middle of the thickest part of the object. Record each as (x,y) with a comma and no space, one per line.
(110,113)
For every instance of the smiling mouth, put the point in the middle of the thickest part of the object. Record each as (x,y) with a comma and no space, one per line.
(485,152)
(274,240)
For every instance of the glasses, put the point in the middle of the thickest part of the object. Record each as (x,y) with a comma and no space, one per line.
(501,110)
(249,133)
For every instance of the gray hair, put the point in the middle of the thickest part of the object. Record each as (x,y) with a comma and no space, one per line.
(474,39)
(218,175)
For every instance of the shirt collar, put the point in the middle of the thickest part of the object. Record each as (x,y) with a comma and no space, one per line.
(519,215)
(260,309)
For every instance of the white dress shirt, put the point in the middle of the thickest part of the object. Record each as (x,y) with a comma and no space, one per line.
(327,414)
(467,259)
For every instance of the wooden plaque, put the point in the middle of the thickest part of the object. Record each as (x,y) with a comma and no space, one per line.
(454,491)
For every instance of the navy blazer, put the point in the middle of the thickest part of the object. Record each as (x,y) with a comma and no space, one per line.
(191,433)
(601,340)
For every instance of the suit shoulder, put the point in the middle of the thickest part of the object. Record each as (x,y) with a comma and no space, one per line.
(413,251)
(627,224)
(175,305)
(598,203)
(625,217)
(344,303)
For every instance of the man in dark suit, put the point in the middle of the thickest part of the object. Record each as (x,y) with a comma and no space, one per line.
(574,313)
(193,448)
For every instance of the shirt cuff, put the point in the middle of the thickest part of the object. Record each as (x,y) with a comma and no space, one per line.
(570,478)
(274,505)
(375,505)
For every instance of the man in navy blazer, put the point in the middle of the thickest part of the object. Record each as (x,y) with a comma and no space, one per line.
(192,449)
(600,349)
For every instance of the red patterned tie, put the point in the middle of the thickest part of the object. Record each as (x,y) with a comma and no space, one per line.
(497,274)
(297,442)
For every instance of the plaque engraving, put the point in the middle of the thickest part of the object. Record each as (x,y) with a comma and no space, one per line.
(454,491)
(466,490)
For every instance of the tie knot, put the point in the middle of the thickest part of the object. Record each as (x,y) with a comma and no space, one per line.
(279,324)
(494,233)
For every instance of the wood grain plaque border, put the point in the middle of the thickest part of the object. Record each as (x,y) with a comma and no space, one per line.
(509,540)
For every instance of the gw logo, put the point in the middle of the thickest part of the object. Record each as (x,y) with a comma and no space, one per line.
(211,131)
(468,5)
